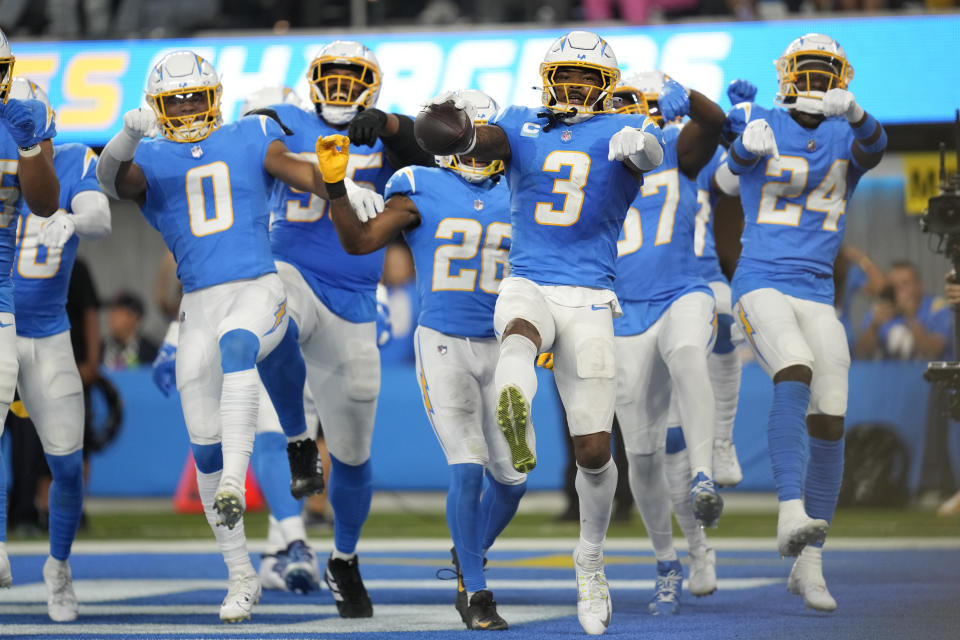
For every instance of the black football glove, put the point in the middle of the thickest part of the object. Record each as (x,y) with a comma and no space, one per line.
(366,127)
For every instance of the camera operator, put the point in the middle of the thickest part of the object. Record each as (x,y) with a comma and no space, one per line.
(905,323)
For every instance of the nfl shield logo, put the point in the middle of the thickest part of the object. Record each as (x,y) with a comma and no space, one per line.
(566,135)
(442,349)
(196,151)
(478,205)
(811,145)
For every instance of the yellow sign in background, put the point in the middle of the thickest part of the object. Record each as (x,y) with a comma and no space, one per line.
(922,178)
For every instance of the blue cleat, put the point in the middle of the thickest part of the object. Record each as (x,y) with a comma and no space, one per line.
(706,502)
(666,596)
(300,572)
(271,571)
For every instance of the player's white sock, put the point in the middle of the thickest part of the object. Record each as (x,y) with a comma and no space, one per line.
(677,468)
(648,482)
(232,542)
(239,404)
(293,529)
(725,379)
(691,383)
(595,489)
(275,538)
(517,365)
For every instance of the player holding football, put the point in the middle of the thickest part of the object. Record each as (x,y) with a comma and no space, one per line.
(456,220)
(27,173)
(205,188)
(332,295)
(798,166)
(572,171)
(666,332)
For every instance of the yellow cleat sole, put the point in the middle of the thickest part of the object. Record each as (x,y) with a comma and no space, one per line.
(513,420)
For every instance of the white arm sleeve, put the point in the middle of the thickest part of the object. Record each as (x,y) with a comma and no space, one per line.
(121,148)
(650,156)
(91,215)
(728,182)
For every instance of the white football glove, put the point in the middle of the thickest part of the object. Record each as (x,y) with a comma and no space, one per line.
(57,230)
(458,102)
(625,143)
(759,140)
(366,203)
(840,102)
(141,122)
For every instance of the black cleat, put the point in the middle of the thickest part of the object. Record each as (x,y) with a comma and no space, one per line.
(481,614)
(343,578)
(461,602)
(306,468)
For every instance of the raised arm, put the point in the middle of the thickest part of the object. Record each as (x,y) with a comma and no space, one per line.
(869,138)
(289,167)
(699,138)
(27,123)
(485,143)
(359,237)
(119,176)
(396,131)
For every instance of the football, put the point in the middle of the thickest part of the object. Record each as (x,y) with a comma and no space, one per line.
(442,129)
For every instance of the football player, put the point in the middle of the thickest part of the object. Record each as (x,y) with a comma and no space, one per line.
(205,188)
(48,379)
(573,169)
(27,175)
(666,332)
(456,220)
(798,167)
(332,295)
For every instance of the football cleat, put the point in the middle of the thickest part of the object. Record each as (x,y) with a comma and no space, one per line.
(346,585)
(726,467)
(229,505)
(62,603)
(461,602)
(243,592)
(300,572)
(806,579)
(666,593)
(594,607)
(795,529)
(481,614)
(306,468)
(6,578)
(706,502)
(271,571)
(703,572)
(513,417)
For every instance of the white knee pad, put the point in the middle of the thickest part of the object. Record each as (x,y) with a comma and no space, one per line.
(828,395)
(362,371)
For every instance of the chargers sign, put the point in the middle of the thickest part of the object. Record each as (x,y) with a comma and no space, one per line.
(899,77)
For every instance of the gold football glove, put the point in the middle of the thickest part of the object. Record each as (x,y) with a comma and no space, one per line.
(545,360)
(333,152)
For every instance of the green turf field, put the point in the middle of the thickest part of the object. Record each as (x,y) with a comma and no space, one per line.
(850,522)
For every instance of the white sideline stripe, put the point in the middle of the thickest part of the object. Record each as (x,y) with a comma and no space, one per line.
(92,591)
(388,618)
(505,544)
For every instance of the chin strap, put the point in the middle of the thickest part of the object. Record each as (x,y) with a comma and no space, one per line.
(555,117)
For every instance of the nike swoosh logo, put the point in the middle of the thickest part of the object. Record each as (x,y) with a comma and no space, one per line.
(599,307)
(482,625)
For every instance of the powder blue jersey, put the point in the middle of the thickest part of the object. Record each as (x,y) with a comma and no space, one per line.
(460,248)
(567,201)
(303,234)
(209,201)
(42,275)
(10,198)
(704,243)
(656,264)
(793,208)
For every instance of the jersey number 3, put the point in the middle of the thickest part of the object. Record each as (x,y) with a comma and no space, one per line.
(571,188)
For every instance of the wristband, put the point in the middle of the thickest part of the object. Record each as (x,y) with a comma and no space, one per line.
(335,190)
(29,152)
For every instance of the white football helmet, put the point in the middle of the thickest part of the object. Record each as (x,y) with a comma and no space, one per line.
(266,96)
(640,92)
(180,78)
(23,89)
(336,95)
(583,49)
(810,66)
(6,66)
(468,168)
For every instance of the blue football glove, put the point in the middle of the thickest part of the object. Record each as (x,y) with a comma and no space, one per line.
(741,90)
(384,326)
(165,369)
(26,120)
(673,100)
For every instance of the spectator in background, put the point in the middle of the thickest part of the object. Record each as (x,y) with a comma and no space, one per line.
(637,11)
(905,323)
(853,273)
(124,345)
(404,303)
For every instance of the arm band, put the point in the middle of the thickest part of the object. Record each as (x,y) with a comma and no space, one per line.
(335,190)
(866,130)
(739,159)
